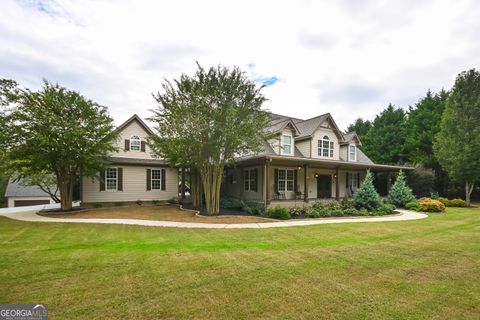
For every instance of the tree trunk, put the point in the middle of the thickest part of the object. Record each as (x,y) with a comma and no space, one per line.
(66,193)
(212,180)
(195,188)
(468,192)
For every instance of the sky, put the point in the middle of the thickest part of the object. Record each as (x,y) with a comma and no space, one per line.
(347,57)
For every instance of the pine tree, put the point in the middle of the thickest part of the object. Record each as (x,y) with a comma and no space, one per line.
(400,194)
(366,196)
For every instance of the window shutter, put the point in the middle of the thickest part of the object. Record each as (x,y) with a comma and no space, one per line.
(347,180)
(358,180)
(255,181)
(142,146)
(295,186)
(276,180)
(102,180)
(120,179)
(149,180)
(163,179)
(127,145)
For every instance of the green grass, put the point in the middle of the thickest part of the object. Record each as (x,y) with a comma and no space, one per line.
(397,270)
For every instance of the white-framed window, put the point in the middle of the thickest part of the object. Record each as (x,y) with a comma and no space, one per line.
(353,180)
(325,147)
(250,179)
(135,143)
(287,144)
(286,179)
(352,153)
(156,179)
(111,179)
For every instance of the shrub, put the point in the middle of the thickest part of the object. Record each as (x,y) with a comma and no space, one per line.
(297,212)
(278,213)
(139,202)
(366,196)
(400,194)
(413,205)
(252,207)
(384,210)
(97,205)
(431,205)
(118,204)
(453,203)
(231,203)
(312,212)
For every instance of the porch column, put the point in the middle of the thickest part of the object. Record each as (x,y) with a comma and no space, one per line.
(266,181)
(305,180)
(389,181)
(337,184)
(183,183)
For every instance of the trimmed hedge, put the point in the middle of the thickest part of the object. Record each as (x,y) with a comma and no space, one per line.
(453,202)
(426,205)
(336,209)
(278,213)
(250,207)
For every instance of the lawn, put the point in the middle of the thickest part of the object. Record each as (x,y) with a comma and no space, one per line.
(160,212)
(419,269)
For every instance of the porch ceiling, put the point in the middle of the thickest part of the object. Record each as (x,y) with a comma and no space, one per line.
(320,163)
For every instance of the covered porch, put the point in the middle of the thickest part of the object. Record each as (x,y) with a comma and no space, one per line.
(292,181)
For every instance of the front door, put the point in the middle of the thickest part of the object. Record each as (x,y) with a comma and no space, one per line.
(324,186)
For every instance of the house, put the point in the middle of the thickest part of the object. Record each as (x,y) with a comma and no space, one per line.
(19,195)
(133,174)
(306,161)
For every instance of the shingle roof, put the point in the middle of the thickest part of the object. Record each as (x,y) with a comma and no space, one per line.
(16,189)
(308,127)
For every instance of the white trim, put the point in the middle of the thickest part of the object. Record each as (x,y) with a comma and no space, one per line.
(286,180)
(250,179)
(282,144)
(155,179)
(355,153)
(135,139)
(107,178)
(321,148)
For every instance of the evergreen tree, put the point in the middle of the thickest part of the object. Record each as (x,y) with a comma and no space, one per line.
(400,194)
(366,196)
(360,127)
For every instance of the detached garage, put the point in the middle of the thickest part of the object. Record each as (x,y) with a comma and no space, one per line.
(20,196)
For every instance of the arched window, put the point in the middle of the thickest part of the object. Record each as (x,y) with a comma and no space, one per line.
(135,143)
(325,147)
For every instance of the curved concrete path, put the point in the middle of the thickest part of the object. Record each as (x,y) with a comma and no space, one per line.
(30,214)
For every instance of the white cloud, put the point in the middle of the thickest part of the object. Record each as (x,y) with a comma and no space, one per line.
(349,58)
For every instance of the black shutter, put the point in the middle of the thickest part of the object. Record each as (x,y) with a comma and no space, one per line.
(358,180)
(163,179)
(255,180)
(127,145)
(347,180)
(102,180)
(142,146)
(295,176)
(120,179)
(149,180)
(275,187)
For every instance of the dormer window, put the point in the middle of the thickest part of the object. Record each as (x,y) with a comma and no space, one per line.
(325,147)
(352,153)
(287,144)
(135,143)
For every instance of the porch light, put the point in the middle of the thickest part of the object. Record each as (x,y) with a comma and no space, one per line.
(316,175)
(299,167)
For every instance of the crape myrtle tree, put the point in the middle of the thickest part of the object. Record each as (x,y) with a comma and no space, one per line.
(60,132)
(457,145)
(206,121)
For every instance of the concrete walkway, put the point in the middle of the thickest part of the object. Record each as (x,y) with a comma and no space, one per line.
(30,214)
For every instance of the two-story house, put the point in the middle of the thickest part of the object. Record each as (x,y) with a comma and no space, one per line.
(134,173)
(306,161)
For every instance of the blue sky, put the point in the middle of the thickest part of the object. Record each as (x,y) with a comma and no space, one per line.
(349,58)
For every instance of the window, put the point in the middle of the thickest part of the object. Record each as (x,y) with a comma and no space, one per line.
(156,179)
(325,147)
(111,179)
(352,153)
(353,181)
(285,180)
(250,179)
(287,144)
(135,143)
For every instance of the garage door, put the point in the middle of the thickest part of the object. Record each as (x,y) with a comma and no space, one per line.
(23,203)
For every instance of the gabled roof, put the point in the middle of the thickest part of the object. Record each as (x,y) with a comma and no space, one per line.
(278,126)
(348,137)
(16,189)
(135,117)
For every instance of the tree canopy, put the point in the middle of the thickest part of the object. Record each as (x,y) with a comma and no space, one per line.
(457,145)
(360,127)
(206,121)
(58,131)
